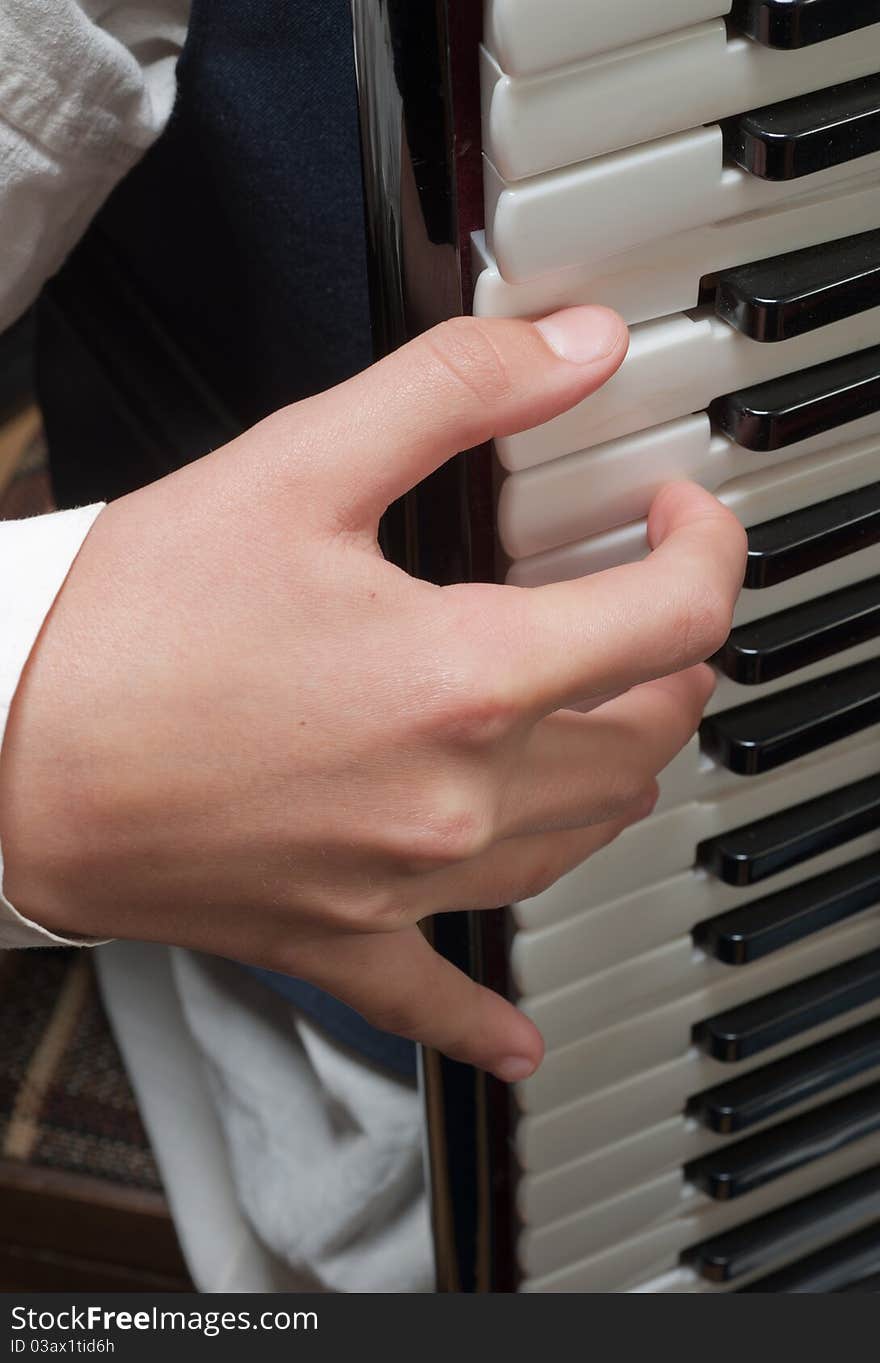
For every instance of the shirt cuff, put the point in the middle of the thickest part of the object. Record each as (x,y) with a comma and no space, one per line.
(35,557)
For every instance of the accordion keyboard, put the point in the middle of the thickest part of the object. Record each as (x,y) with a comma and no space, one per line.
(708,1114)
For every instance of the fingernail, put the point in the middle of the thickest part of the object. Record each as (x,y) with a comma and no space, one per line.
(514,1069)
(582,335)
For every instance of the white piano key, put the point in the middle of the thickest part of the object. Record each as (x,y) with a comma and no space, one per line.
(676,366)
(758,497)
(586,557)
(621,1268)
(573,217)
(526,38)
(650,1259)
(652,1149)
(658,912)
(694,76)
(593,490)
(661,1034)
(615,1000)
(596,490)
(664,845)
(663,275)
(633,1101)
(669,1200)
(569,217)
(643,1208)
(676,1280)
(679,970)
(638,1265)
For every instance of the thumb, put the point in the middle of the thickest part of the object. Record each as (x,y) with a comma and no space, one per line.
(400,984)
(464,382)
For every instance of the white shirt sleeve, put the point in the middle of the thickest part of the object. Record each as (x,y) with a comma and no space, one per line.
(35,558)
(86,86)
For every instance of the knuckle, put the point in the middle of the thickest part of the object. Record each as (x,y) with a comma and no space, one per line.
(339,908)
(453,831)
(449,823)
(378,909)
(480,700)
(481,713)
(468,353)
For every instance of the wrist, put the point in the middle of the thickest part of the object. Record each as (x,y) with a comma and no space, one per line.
(44,809)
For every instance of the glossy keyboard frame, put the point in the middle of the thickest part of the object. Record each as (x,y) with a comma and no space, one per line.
(413,127)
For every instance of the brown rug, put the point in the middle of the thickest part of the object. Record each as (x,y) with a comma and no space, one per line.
(65,1100)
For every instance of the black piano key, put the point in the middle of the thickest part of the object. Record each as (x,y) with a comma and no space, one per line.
(783,643)
(754,851)
(756,1097)
(801,23)
(740,1168)
(802,540)
(809,133)
(864,1284)
(771,416)
(765,734)
(834,1211)
(773,1018)
(786,296)
(846,1266)
(766,925)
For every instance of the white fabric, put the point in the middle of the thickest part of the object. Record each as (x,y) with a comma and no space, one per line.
(35,558)
(84,90)
(176,1104)
(325,1150)
(288,1163)
(321,1151)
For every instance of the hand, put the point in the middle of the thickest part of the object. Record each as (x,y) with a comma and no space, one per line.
(243,731)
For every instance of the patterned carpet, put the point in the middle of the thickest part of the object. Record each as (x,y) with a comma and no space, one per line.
(65,1101)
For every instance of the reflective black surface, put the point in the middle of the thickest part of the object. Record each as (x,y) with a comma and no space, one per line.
(799,23)
(768,1021)
(760,1243)
(802,540)
(757,850)
(845,1266)
(738,1169)
(771,416)
(780,644)
(755,1097)
(785,296)
(754,851)
(418,89)
(774,921)
(807,134)
(767,733)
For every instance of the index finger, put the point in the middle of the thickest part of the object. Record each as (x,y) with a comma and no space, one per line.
(606,633)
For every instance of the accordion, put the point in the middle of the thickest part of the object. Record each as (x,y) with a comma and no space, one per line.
(707,1118)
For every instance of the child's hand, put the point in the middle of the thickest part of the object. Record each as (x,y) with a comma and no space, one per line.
(243,731)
